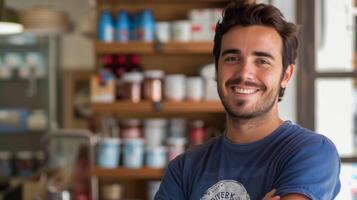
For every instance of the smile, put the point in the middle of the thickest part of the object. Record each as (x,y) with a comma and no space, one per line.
(244,90)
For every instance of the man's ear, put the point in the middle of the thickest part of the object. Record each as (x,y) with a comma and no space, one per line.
(287,76)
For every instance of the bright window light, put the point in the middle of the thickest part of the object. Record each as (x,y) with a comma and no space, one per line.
(10,28)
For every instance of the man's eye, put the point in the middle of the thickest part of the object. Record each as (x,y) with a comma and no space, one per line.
(231,59)
(263,62)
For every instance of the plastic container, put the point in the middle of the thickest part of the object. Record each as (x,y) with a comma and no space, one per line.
(194,88)
(133,150)
(108,153)
(132,86)
(175,87)
(154,132)
(105,27)
(152,86)
(156,157)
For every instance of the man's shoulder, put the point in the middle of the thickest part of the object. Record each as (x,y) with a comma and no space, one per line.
(302,138)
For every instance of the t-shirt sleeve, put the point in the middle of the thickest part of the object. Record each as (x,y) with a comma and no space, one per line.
(313,171)
(171,187)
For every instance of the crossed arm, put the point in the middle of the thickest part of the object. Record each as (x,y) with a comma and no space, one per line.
(270,196)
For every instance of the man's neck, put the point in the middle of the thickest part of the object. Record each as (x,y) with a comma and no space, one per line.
(244,131)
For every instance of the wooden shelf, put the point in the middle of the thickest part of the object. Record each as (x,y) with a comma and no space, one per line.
(123,173)
(163,107)
(153,48)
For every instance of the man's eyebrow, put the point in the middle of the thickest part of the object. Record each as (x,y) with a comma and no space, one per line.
(264,54)
(233,51)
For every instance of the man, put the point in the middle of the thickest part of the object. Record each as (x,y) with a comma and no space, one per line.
(259,156)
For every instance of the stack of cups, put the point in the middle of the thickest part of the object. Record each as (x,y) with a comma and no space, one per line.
(133,152)
(154,133)
(108,152)
(133,144)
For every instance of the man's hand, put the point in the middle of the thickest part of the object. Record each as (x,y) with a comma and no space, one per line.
(270,196)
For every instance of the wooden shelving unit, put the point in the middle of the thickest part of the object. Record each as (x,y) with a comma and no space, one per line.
(154,48)
(163,107)
(173,58)
(123,173)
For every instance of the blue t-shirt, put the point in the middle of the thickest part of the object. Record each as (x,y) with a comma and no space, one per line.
(292,159)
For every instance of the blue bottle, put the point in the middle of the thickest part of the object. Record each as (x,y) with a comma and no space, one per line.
(147,26)
(122,27)
(138,31)
(132,27)
(105,27)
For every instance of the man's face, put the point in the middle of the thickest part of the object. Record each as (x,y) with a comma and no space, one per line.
(249,73)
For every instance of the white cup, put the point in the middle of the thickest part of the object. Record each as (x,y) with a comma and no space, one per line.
(154,132)
(194,88)
(133,152)
(163,31)
(156,157)
(175,87)
(181,31)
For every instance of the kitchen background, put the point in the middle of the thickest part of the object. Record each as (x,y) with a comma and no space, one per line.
(97,95)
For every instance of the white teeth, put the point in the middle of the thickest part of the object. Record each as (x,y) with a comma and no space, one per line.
(243,91)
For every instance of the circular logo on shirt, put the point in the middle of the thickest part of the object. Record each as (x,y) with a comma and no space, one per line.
(226,189)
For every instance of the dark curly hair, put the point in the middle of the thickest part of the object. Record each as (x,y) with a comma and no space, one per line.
(242,13)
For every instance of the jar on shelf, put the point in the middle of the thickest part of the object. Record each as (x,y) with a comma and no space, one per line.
(152,86)
(154,132)
(194,88)
(175,87)
(155,157)
(177,127)
(176,146)
(108,153)
(131,89)
(133,152)
(111,191)
(197,133)
(130,128)
(5,164)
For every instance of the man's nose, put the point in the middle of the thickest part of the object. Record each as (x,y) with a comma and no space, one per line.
(245,70)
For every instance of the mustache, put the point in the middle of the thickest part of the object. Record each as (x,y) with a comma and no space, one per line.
(239,80)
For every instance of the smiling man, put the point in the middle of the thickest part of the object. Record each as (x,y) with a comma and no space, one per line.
(259,156)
